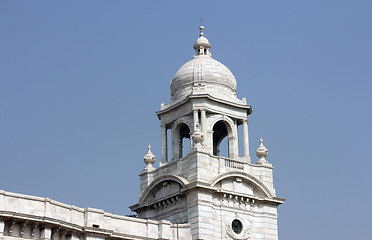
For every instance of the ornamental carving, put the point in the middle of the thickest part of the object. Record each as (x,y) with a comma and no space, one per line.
(244,235)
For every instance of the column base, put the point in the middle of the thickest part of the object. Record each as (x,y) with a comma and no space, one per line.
(246,159)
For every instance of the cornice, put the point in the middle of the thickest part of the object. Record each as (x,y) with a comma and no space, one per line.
(172,105)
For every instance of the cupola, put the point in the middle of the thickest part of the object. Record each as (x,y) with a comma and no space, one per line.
(202,44)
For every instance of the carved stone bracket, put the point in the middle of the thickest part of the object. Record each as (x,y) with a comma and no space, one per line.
(22,229)
(10,232)
(236,201)
(33,229)
(167,202)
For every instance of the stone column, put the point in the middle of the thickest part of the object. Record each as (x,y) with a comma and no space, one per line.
(164,143)
(196,119)
(236,142)
(204,121)
(173,155)
(231,147)
(177,149)
(2,226)
(46,233)
(245,140)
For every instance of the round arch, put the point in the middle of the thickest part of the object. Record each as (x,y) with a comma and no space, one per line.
(225,119)
(181,129)
(180,121)
(221,127)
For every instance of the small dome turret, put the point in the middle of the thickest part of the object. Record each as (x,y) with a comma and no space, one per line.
(202,44)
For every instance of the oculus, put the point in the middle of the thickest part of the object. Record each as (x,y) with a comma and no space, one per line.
(237,226)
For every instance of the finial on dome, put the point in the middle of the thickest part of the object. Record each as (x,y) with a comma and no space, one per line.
(201,30)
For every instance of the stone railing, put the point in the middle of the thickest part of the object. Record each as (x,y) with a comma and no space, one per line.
(233,164)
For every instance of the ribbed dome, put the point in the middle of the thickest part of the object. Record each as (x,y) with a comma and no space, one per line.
(204,71)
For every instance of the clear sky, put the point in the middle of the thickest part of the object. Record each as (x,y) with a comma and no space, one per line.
(80,82)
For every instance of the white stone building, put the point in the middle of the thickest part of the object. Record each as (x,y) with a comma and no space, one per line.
(194,195)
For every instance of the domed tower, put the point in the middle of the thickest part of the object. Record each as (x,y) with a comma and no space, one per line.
(206,89)
(221,197)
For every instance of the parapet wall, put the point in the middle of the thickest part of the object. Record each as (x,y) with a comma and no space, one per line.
(24,216)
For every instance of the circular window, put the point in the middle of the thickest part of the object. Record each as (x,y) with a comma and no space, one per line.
(237,226)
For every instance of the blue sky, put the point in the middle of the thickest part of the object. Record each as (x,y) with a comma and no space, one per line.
(80,82)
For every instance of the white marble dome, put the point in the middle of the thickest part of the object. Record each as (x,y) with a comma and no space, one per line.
(204,71)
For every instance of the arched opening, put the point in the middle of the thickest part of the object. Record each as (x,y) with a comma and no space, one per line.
(219,134)
(185,143)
